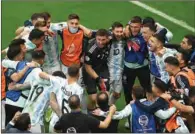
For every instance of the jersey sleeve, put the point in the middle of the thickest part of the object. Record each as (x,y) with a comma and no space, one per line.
(55,82)
(88,58)
(123,113)
(183,83)
(9,63)
(37,79)
(58,26)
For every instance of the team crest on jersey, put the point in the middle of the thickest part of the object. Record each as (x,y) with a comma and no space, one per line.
(71,130)
(143,120)
(87,58)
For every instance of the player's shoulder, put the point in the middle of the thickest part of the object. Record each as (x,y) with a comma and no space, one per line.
(92,46)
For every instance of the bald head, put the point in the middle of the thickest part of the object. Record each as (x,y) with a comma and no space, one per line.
(74,102)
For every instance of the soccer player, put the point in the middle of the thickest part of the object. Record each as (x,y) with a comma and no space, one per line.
(95,71)
(15,100)
(62,90)
(157,55)
(50,45)
(115,63)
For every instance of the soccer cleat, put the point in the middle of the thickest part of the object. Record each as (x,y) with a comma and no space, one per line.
(48,114)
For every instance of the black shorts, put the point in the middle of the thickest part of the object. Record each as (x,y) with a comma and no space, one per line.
(91,84)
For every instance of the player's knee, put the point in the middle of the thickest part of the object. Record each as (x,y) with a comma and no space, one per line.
(116,95)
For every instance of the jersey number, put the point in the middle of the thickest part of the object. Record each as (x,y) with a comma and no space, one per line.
(37,91)
(116,51)
(64,108)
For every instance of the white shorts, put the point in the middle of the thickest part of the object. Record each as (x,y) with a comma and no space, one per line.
(37,128)
(116,85)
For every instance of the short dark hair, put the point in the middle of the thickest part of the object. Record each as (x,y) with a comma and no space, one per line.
(102,100)
(116,25)
(36,34)
(185,55)
(17,42)
(59,74)
(172,61)
(102,32)
(160,37)
(162,86)
(73,70)
(38,54)
(35,16)
(23,122)
(136,19)
(150,26)
(74,102)
(148,20)
(191,40)
(13,51)
(192,92)
(73,16)
(46,15)
(14,48)
(138,92)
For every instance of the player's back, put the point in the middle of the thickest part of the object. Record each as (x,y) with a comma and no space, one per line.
(63,90)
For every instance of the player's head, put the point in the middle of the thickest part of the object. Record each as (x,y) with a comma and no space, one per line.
(117,30)
(171,65)
(135,25)
(138,93)
(38,56)
(41,25)
(159,87)
(21,43)
(36,36)
(156,42)
(148,20)
(102,100)
(183,57)
(36,17)
(192,94)
(23,122)
(73,23)
(47,18)
(74,102)
(102,37)
(148,30)
(73,71)
(188,42)
(59,74)
(16,50)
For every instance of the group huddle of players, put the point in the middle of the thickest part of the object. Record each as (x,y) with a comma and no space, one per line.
(37,78)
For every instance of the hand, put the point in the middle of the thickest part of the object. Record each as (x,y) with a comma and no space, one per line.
(166,96)
(32,64)
(11,86)
(160,53)
(96,112)
(101,82)
(112,109)
(16,116)
(50,33)
(180,91)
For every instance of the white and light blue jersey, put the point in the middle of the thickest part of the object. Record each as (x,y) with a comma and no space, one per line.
(157,64)
(116,59)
